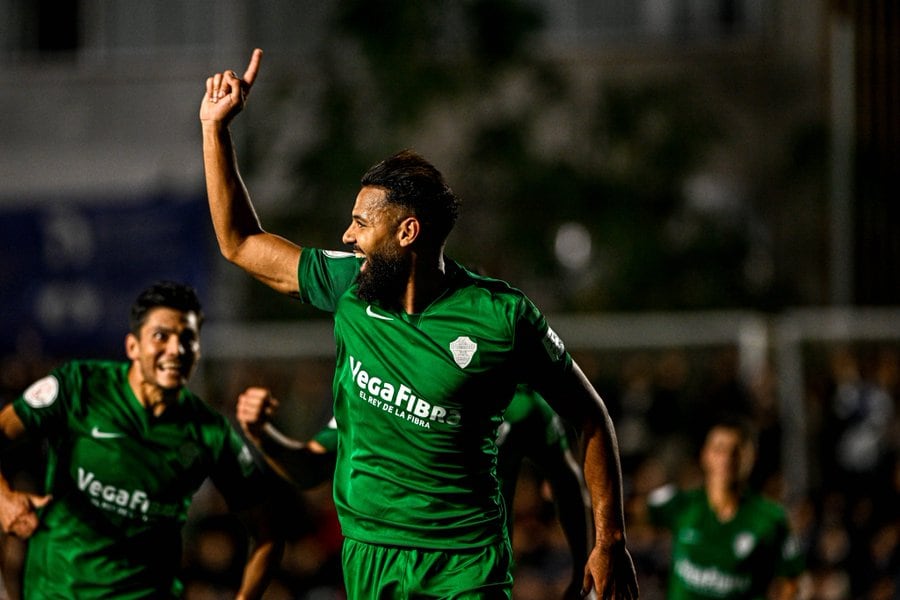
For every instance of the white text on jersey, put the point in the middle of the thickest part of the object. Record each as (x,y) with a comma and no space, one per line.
(389,397)
(109,496)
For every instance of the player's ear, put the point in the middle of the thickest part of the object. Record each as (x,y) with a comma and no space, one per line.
(408,230)
(132,349)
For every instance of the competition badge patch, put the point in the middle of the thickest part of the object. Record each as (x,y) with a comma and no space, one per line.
(245,457)
(463,349)
(42,393)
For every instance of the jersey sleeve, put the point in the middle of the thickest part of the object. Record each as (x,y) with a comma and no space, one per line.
(663,506)
(554,431)
(242,480)
(44,405)
(327,436)
(792,561)
(540,353)
(325,275)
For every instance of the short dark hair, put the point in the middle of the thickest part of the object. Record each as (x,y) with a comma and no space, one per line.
(169,294)
(415,184)
(737,422)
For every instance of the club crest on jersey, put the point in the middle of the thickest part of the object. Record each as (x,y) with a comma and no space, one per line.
(743,544)
(42,393)
(463,349)
(245,457)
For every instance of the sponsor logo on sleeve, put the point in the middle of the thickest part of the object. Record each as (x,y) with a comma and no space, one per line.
(792,548)
(503,432)
(42,393)
(245,458)
(554,345)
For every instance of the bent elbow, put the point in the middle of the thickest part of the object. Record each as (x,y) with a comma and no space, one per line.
(233,249)
(229,252)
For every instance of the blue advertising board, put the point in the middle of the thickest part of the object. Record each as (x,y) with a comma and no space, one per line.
(70,270)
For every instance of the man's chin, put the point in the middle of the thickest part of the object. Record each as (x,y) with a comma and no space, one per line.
(171,385)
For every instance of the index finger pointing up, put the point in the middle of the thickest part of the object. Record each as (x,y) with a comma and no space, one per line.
(253,67)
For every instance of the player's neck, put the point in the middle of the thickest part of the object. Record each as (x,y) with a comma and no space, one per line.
(723,499)
(427,281)
(155,402)
(153,398)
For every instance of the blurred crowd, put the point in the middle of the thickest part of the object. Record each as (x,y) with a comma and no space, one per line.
(848,520)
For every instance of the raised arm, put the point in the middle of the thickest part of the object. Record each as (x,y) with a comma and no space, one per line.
(265,555)
(610,570)
(304,464)
(242,240)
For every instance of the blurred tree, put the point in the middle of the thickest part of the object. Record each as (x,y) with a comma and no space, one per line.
(528,150)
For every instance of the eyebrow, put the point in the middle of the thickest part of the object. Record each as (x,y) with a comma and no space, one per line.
(360,217)
(171,331)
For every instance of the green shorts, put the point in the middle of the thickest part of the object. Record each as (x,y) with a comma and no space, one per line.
(391,573)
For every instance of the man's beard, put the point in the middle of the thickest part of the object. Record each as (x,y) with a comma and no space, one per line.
(384,280)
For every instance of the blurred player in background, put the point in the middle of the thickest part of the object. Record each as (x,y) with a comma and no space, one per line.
(727,540)
(530,431)
(128,445)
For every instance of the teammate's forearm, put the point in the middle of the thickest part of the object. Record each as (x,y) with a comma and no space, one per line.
(258,571)
(573,508)
(293,460)
(262,522)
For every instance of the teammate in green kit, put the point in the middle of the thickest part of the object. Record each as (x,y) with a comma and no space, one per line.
(727,542)
(428,357)
(530,430)
(128,445)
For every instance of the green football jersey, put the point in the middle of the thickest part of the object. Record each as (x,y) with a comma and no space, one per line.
(529,427)
(418,400)
(737,559)
(327,436)
(122,481)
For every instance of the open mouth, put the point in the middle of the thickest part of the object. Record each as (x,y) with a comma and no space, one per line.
(169,369)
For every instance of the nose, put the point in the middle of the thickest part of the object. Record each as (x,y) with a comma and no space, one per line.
(348,238)
(174,345)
